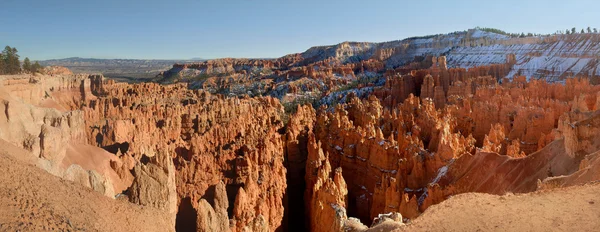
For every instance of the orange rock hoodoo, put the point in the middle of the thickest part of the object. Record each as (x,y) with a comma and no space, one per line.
(412,155)
(397,152)
(209,139)
(438,82)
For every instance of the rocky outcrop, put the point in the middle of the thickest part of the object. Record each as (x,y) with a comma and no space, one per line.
(437,82)
(326,192)
(213,216)
(154,184)
(57,70)
(56,139)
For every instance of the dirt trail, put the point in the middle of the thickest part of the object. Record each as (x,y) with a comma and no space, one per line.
(569,209)
(34,200)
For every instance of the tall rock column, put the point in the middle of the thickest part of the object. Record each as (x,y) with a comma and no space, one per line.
(154,184)
(326,193)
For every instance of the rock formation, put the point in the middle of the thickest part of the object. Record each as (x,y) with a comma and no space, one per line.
(387,142)
(213,217)
(56,139)
(326,192)
(57,70)
(169,145)
(210,140)
(408,157)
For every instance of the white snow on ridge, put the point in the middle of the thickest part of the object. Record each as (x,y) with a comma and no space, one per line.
(480,34)
(549,57)
(553,60)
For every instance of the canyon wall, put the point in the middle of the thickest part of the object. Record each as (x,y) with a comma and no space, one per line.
(240,163)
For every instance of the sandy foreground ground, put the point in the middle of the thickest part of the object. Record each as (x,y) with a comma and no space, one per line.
(567,209)
(34,200)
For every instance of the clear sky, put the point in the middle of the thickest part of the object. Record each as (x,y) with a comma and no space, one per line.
(47,29)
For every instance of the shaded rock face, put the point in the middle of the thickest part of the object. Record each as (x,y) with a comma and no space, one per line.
(298,129)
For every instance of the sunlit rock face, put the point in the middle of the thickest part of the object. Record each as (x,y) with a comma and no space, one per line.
(378,138)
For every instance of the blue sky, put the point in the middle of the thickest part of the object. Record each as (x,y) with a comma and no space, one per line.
(151,29)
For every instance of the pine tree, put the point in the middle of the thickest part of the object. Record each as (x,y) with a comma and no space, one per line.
(12,65)
(36,67)
(27,65)
(567,32)
(589,30)
(573,30)
(582,31)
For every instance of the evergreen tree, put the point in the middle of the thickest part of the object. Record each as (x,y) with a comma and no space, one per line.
(36,67)
(12,65)
(27,65)
(582,31)
(573,30)
(589,30)
(567,32)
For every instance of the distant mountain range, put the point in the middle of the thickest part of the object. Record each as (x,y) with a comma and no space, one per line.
(117,68)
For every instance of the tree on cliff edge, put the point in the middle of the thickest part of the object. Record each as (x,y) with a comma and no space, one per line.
(26,65)
(36,67)
(11,63)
